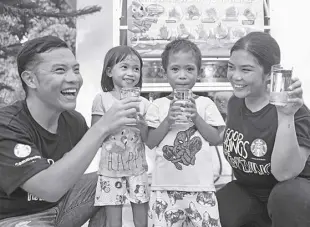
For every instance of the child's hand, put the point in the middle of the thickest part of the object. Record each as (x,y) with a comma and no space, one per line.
(141,123)
(142,126)
(175,111)
(191,109)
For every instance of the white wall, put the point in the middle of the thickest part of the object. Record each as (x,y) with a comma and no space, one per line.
(94,39)
(290,27)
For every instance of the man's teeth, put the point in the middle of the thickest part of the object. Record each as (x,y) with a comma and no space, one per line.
(69,91)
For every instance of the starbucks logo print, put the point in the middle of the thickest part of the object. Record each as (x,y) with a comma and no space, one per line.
(259,147)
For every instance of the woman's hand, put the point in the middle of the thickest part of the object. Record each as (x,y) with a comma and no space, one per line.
(295,100)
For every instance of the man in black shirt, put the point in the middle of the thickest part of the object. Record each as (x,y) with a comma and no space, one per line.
(46,146)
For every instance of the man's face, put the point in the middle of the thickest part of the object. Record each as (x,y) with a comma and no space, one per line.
(58,79)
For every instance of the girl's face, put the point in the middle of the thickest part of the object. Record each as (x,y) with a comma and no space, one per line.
(182,70)
(126,73)
(246,75)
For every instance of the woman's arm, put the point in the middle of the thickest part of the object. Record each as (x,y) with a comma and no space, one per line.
(288,158)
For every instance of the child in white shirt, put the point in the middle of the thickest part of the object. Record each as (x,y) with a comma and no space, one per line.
(182,191)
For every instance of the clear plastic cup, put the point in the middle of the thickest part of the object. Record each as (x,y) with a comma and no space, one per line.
(182,98)
(131,92)
(280,81)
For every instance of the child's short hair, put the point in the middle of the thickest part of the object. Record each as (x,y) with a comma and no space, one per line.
(178,45)
(114,56)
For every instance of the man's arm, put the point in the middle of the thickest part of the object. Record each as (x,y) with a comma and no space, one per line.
(52,183)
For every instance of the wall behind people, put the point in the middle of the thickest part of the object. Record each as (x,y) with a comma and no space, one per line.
(94,39)
(289,26)
(95,36)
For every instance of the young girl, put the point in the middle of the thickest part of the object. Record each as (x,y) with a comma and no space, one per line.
(123,167)
(182,181)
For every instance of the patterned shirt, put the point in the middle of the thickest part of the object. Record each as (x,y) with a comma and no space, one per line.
(183,160)
(122,153)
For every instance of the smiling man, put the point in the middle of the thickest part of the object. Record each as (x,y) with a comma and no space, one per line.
(46,146)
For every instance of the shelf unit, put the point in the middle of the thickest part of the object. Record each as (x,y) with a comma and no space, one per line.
(220,91)
(161,85)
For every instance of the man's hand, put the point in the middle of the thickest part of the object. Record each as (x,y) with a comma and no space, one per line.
(121,113)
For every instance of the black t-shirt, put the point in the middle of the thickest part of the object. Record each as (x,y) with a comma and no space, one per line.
(26,149)
(249,140)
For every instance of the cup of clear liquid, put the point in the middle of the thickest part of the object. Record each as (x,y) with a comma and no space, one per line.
(280,81)
(181,98)
(131,92)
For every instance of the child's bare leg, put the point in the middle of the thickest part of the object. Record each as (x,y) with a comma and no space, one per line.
(113,215)
(140,212)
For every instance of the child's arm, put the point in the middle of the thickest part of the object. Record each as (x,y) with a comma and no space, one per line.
(98,109)
(95,118)
(143,127)
(211,134)
(208,132)
(156,135)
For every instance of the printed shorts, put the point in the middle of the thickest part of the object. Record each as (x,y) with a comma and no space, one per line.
(183,209)
(121,190)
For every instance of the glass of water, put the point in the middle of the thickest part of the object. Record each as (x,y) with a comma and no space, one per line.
(182,98)
(280,81)
(130,92)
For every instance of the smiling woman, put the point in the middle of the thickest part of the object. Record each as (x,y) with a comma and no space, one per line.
(260,139)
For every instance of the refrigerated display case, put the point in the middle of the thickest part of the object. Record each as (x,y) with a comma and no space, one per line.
(148,25)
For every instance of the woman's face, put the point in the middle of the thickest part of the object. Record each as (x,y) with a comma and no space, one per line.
(246,75)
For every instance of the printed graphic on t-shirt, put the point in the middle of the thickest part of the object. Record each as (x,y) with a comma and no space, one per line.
(184,149)
(31,197)
(239,151)
(259,147)
(123,150)
(22,150)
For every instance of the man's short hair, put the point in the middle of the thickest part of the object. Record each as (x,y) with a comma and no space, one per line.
(28,54)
